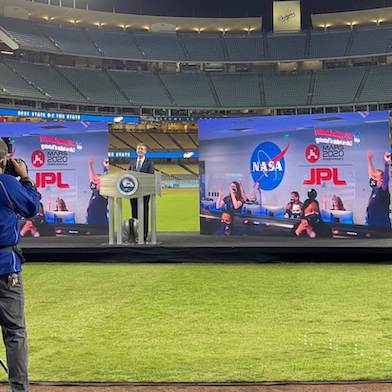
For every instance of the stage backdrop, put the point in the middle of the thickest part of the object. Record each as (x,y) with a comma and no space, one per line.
(259,174)
(66,160)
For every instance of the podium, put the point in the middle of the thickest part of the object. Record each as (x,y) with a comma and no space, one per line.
(131,185)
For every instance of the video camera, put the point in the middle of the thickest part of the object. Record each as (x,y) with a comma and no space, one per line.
(10,168)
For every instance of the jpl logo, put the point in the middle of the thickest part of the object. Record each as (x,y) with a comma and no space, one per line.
(267,165)
(319,175)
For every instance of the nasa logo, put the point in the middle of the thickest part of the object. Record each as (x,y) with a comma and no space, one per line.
(38,158)
(127,185)
(267,165)
(312,153)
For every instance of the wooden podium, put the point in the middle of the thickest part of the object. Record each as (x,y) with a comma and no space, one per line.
(131,185)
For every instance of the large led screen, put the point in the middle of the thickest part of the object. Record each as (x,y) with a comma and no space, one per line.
(311,176)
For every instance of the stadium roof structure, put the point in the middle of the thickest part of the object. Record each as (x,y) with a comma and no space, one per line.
(352,18)
(23,9)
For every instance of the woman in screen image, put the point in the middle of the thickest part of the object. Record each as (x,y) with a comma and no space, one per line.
(311,225)
(337,203)
(378,205)
(60,204)
(233,202)
(98,205)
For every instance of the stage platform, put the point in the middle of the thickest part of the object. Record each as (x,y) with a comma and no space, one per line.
(196,248)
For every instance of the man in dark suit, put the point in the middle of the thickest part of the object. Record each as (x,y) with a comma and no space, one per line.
(144,165)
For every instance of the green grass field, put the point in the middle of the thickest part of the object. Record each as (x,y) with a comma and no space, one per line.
(177,210)
(192,322)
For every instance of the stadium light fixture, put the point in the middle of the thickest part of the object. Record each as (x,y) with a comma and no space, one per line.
(325,26)
(99,24)
(224,30)
(146,28)
(378,21)
(352,24)
(249,29)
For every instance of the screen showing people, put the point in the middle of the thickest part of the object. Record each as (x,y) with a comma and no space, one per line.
(303,176)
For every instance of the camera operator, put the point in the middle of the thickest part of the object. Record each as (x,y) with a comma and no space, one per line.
(17,198)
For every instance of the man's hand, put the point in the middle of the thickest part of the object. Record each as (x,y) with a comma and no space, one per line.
(20,167)
(370,155)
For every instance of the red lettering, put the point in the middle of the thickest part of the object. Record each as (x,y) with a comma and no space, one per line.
(43,179)
(60,182)
(318,175)
(336,179)
(311,180)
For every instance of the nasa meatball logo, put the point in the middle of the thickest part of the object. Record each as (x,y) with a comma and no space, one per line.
(127,185)
(312,153)
(38,158)
(267,165)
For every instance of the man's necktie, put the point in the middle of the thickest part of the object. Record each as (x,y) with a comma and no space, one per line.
(138,165)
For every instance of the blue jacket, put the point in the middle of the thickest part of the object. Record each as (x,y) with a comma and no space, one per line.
(16,199)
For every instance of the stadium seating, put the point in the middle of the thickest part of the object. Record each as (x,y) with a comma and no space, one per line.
(96,86)
(69,40)
(123,140)
(378,85)
(189,89)
(168,170)
(185,141)
(371,40)
(286,47)
(115,44)
(27,34)
(337,86)
(213,47)
(194,89)
(205,47)
(194,167)
(286,89)
(242,47)
(159,46)
(12,84)
(48,79)
(141,88)
(237,90)
(166,141)
(327,44)
(174,170)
